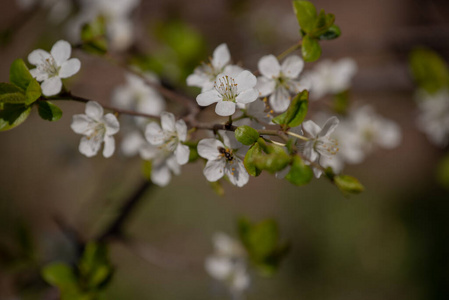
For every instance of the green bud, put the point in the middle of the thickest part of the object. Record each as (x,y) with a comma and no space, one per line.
(300,173)
(348,184)
(246,135)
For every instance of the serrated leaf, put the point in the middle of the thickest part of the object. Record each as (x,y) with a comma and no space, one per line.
(250,167)
(246,135)
(12,115)
(300,173)
(311,49)
(332,33)
(33,92)
(305,12)
(348,184)
(48,111)
(19,74)
(10,93)
(60,275)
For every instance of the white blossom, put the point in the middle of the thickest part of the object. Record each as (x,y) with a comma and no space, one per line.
(96,129)
(58,10)
(320,146)
(229,91)
(224,158)
(434,116)
(204,76)
(132,142)
(51,67)
(279,82)
(331,77)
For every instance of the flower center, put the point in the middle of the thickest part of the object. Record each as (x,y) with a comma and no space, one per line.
(98,133)
(226,153)
(326,146)
(49,66)
(171,142)
(227,87)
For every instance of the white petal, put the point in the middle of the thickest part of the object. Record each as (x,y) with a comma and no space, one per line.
(245,80)
(40,76)
(197,79)
(221,56)
(37,56)
(214,169)
(390,137)
(61,51)
(182,153)
(269,66)
(89,147)
(309,153)
(232,70)
(173,165)
(237,173)
(168,122)
(225,108)
(265,86)
(112,124)
(281,174)
(292,66)
(154,134)
(69,68)
(148,152)
(311,128)
(94,110)
(209,97)
(132,143)
(51,86)
(81,124)
(218,267)
(329,127)
(317,172)
(208,148)
(109,146)
(229,140)
(296,86)
(247,96)
(181,129)
(160,175)
(280,100)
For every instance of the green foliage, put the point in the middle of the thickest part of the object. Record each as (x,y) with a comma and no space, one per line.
(60,275)
(341,102)
(93,35)
(429,70)
(19,74)
(305,12)
(251,168)
(332,33)
(296,112)
(261,240)
(348,184)
(48,111)
(246,135)
(193,155)
(300,173)
(12,115)
(443,172)
(146,169)
(33,92)
(10,93)
(272,158)
(217,188)
(311,49)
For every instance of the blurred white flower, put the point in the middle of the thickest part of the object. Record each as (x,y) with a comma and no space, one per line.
(96,129)
(204,76)
(434,116)
(331,77)
(280,81)
(132,142)
(229,91)
(58,10)
(51,67)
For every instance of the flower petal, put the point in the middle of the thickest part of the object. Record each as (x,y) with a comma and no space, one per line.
(112,124)
(173,165)
(329,127)
(265,86)
(214,169)
(160,175)
(109,146)
(168,122)
(182,153)
(237,173)
(61,51)
(292,66)
(209,97)
(311,128)
(148,152)
(81,124)
(225,108)
(69,68)
(280,100)
(131,143)
(51,86)
(247,96)
(309,152)
(94,110)
(221,56)
(38,74)
(208,148)
(154,134)
(269,66)
(37,56)
(181,129)
(245,80)
(89,147)
(197,79)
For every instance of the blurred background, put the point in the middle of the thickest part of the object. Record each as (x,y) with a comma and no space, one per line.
(390,242)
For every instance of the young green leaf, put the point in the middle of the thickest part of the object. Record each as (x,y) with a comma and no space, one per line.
(296,112)
(250,167)
(19,74)
(217,188)
(429,70)
(300,173)
(311,49)
(332,33)
(146,169)
(60,275)
(322,24)
(348,184)
(246,135)
(305,12)
(93,35)
(10,93)
(12,115)
(48,111)
(274,160)
(33,92)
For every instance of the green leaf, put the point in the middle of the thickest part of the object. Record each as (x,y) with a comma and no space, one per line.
(296,112)
(94,266)
(300,173)
(348,184)
(60,275)
(10,93)
(429,70)
(246,135)
(443,172)
(305,12)
(19,74)
(12,115)
(250,167)
(274,160)
(217,188)
(33,92)
(93,35)
(193,155)
(323,23)
(332,33)
(48,111)
(341,102)
(311,49)
(146,169)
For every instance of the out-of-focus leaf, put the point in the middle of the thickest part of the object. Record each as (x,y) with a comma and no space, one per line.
(429,70)
(48,111)
(305,12)
(12,115)
(19,74)
(348,184)
(311,49)
(300,173)
(10,93)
